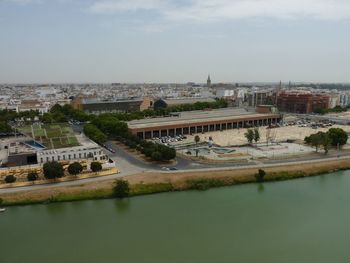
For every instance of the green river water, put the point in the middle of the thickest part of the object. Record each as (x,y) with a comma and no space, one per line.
(303,220)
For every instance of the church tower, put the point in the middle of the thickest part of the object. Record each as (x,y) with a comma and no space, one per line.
(208,82)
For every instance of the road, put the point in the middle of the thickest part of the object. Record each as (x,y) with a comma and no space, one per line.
(128,165)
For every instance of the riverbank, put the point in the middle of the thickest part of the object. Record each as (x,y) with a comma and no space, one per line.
(148,183)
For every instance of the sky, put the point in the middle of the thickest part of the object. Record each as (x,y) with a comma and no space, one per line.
(174,41)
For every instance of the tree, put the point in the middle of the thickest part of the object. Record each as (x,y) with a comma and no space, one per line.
(53,170)
(4,127)
(94,133)
(32,176)
(260,175)
(121,188)
(318,139)
(156,156)
(9,179)
(197,139)
(338,136)
(325,141)
(95,167)
(256,135)
(249,135)
(75,168)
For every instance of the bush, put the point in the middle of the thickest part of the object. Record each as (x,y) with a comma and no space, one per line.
(9,179)
(75,168)
(260,175)
(32,176)
(121,188)
(156,156)
(53,170)
(204,184)
(96,167)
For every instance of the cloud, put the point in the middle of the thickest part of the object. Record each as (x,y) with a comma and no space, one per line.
(217,10)
(126,5)
(21,2)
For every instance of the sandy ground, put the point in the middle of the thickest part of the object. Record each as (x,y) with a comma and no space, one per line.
(178,180)
(236,136)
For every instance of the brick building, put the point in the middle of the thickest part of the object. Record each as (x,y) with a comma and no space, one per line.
(301,102)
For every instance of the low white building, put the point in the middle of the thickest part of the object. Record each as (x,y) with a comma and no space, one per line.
(87,152)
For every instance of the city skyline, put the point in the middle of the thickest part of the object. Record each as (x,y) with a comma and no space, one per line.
(152,41)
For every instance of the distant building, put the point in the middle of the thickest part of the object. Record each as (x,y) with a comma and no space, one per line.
(302,102)
(97,106)
(208,82)
(257,97)
(27,105)
(200,122)
(164,103)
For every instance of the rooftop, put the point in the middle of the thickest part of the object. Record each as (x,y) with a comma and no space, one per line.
(96,101)
(187,100)
(196,117)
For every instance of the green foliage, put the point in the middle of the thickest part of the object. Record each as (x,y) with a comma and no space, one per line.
(334,137)
(94,133)
(9,179)
(249,135)
(335,109)
(53,170)
(197,139)
(75,168)
(8,115)
(260,175)
(121,188)
(4,127)
(338,136)
(318,139)
(256,135)
(321,111)
(156,156)
(96,167)
(204,184)
(32,176)
(63,113)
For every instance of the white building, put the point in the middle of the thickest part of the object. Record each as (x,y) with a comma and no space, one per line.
(88,152)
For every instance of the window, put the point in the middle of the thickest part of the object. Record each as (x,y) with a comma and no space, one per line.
(53,158)
(75,157)
(59,157)
(79,155)
(64,157)
(84,155)
(47,159)
(41,160)
(69,156)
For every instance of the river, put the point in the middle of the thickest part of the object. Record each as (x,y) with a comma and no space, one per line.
(303,220)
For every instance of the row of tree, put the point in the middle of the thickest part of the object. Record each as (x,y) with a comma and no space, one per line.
(336,137)
(252,135)
(54,170)
(336,109)
(64,113)
(109,126)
